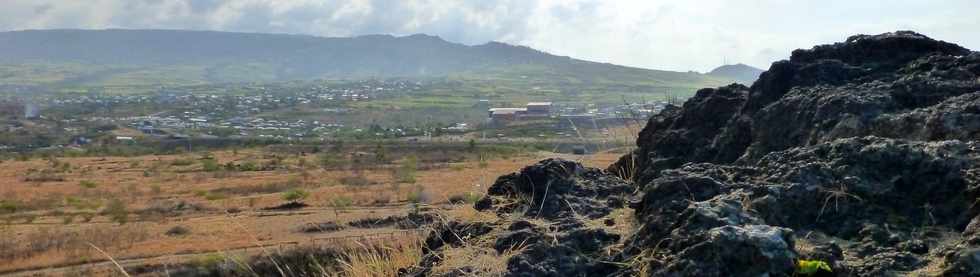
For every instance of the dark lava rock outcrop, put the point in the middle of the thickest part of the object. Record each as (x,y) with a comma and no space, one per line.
(886,203)
(860,155)
(553,221)
(556,189)
(895,85)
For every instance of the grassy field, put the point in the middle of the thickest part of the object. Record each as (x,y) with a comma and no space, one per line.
(589,81)
(174,209)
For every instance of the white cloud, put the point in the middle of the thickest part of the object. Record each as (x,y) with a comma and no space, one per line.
(662,34)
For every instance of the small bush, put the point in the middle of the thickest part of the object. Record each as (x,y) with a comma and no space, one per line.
(465,198)
(208,261)
(215,196)
(295,195)
(243,167)
(88,184)
(325,227)
(8,207)
(178,231)
(82,204)
(405,173)
(87,217)
(340,203)
(330,160)
(116,211)
(45,175)
(181,162)
(68,219)
(210,165)
(381,199)
(355,181)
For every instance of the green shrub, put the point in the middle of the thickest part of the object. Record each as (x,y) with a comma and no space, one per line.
(181,162)
(82,204)
(211,196)
(245,166)
(68,219)
(88,184)
(208,261)
(295,195)
(340,203)
(355,181)
(330,160)
(210,165)
(116,211)
(8,207)
(811,267)
(45,175)
(405,173)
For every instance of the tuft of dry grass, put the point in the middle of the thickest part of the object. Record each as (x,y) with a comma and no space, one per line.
(837,195)
(381,260)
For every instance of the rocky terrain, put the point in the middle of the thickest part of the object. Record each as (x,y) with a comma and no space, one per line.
(852,159)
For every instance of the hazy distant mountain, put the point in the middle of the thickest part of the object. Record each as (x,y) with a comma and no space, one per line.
(114,56)
(742,73)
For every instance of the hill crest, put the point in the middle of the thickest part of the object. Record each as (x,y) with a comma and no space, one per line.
(212,56)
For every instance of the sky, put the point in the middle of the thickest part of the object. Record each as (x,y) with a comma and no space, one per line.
(658,34)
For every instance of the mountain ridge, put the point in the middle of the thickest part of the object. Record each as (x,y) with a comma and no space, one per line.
(235,56)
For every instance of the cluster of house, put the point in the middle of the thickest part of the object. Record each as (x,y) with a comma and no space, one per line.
(532,110)
(587,115)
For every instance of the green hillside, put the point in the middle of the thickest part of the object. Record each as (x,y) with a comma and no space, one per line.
(151,58)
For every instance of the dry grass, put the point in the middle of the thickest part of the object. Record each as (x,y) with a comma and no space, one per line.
(145,181)
(483,260)
(383,260)
(837,195)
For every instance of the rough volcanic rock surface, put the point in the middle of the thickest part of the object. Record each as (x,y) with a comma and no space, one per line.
(895,85)
(555,189)
(872,197)
(552,222)
(861,155)
(862,148)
